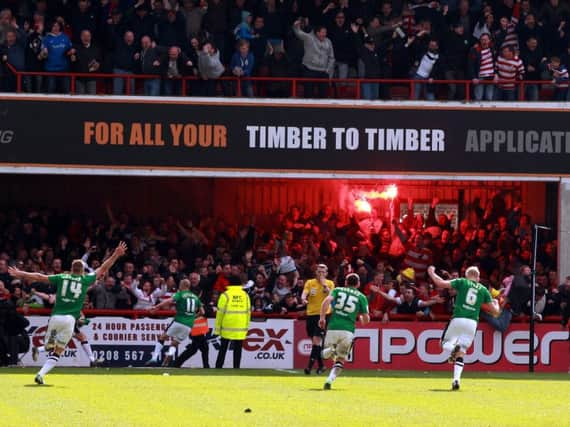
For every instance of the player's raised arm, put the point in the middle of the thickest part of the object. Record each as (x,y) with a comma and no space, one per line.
(324,308)
(119,251)
(437,280)
(30,277)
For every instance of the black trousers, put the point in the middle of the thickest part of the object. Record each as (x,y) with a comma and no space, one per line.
(198,343)
(237,347)
(309,87)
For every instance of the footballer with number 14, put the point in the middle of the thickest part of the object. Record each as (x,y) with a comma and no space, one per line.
(69,298)
(471,297)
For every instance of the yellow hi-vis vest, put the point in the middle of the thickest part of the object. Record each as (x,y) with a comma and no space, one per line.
(234,313)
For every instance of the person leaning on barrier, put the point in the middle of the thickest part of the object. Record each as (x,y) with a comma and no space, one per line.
(232,320)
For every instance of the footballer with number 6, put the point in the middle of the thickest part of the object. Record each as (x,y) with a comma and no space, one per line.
(471,297)
(347,305)
(69,298)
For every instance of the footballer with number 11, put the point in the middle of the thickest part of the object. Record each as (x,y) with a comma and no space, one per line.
(471,297)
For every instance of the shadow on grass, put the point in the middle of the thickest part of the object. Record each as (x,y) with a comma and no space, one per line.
(440,390)
(39,386)
(377,373)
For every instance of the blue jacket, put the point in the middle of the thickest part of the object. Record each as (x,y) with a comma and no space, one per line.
(246,64)
(57,47)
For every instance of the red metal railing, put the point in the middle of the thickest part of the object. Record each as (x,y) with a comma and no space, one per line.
(136,314)
(336,88)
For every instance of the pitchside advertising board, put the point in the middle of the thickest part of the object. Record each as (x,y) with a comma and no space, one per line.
(282,344)
(125,342)
(334,137)
(415,346)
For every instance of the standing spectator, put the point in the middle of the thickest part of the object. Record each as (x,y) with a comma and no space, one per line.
(559,74)
(171,29)
(314,293)
(86,58)
(55,49)
(242,64)
(343,46)
(428,67)
(149,63)
(244,30)
(83,18)
(193,15)
(147,297)
(278,65)
(105,295)
(371,61)
(318,59)
(124,63)
(176,66)
(510,69)
(531,56)
(139,20)
(232,321)
(12,52)
(456,48)
(34,60)
(210,67)
(259,43)
(216,24)
(481,69)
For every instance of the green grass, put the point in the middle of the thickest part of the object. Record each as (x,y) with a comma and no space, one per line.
(146,397)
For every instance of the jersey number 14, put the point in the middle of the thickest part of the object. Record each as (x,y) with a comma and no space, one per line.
(71,285)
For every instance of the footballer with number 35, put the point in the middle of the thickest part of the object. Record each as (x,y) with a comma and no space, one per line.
(471,297)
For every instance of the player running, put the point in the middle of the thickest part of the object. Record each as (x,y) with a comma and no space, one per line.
(77,334)
(347,303)
(69,298)
(187,305)
(460,331)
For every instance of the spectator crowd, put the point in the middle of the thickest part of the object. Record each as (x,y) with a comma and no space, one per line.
(492,43)
(274,259)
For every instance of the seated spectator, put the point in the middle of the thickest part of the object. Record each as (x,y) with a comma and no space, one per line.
(281,288)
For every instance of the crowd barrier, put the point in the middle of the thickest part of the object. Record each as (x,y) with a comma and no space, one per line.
(127,338)
(293,87)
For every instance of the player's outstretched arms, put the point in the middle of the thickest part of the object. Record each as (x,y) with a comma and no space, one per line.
(30,277)
(119,251)
(437,280)
(162,305)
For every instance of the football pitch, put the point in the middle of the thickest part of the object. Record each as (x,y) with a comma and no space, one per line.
(163,397)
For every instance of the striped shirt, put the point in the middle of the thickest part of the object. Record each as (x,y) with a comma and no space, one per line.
(512,39)
(486,64)
(418,259)
(560,77)
(509,71)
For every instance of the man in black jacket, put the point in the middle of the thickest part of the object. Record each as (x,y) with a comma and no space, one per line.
(373,63)
(149,63)
(456,48)
(86,58)
(532,58)
(124,63)
(173,67)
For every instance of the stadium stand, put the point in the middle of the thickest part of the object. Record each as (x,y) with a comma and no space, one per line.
(482,50)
